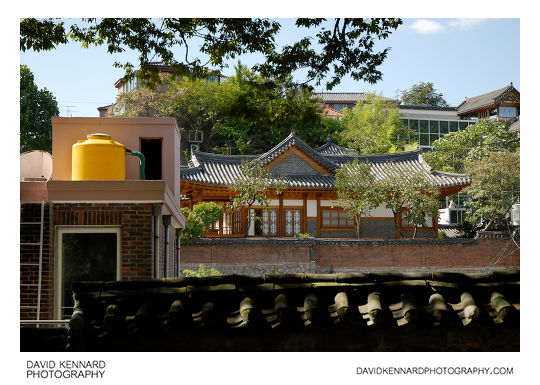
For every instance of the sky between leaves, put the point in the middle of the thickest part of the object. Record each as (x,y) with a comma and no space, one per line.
(454,54)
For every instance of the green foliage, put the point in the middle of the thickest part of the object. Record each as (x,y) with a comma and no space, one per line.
(258,112)
(37,107)
(245,114)
(421,199)
(467,226)
(374,127)
(411,191)
(342,47)
(355,191)
(253,185)
(302,235)
(453,151)
(494,178)
(331,270)
(202,272)
(197,221)
(423,94)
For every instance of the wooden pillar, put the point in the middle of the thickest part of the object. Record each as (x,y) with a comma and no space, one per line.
(304,215)
(243,215)
(281,217)
(318,215)
(398,224)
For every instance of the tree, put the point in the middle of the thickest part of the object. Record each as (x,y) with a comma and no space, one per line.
(37,108)
(199,219)
(494,187)
(252,185)
(423,94)
(259,112)
(421,200)
(342,46)
(411,193)
(374,127)
(195,103)
(355,190)
(245,114)
(451,152)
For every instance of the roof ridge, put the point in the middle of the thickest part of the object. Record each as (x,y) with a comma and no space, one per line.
(294,140)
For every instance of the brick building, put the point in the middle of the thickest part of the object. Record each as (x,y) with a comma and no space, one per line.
(100,229)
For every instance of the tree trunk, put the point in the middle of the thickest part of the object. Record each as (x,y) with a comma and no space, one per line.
(248,225)
(396,224)
(414,234)
(357,221)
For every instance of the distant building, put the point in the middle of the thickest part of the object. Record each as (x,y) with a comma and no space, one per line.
(501,104)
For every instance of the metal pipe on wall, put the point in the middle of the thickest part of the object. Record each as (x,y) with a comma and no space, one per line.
(156,214)
(177,258)
(166,224)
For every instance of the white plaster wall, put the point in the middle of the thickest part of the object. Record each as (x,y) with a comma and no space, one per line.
(311,210)
(382,211)
(293,202)
(251,224)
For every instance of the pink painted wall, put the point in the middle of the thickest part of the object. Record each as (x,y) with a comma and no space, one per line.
(128,131)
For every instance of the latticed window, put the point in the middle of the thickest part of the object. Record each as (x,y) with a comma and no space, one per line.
(236,222)
(336,218)
(292,222)
(269,222)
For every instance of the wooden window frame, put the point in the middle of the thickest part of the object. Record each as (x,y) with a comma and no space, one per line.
(341,213)
(284,220)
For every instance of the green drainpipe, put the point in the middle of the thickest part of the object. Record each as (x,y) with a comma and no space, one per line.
(140,155)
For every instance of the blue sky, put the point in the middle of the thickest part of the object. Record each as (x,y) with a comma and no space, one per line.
(462,57)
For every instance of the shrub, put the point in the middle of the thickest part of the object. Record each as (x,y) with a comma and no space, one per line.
(202,271)
(198,220)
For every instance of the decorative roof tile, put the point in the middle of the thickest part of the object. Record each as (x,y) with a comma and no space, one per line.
(295,312)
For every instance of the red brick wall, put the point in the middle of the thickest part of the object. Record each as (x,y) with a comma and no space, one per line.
(207,254)
(29,260)
(135,220)
(345,255)
(481,253)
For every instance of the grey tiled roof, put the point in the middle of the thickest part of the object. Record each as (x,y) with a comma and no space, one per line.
(301,312)
(294,140)
(224,169)
(426,108)
(344,96)
(477,102)
(330,148)
(514,126)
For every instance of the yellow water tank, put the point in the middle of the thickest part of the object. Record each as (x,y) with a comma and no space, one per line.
(98,158)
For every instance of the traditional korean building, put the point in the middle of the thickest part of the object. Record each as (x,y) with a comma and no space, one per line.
(502,104)
(305,205)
